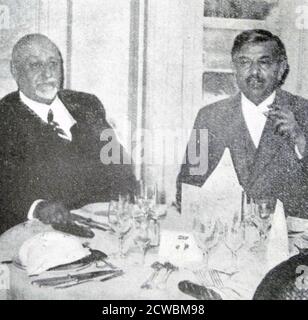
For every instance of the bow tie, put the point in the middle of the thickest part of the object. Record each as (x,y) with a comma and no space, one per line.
(55,125)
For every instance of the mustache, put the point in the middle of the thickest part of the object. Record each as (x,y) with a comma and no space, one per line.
(52,82)
(255,78)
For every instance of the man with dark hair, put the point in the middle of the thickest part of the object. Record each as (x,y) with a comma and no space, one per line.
(264,127)
(51,142)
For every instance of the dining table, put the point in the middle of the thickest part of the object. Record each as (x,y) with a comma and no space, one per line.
(238,285)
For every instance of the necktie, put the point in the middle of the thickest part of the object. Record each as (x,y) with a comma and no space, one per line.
(54,124)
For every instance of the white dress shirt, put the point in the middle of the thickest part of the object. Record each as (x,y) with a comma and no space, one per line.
(60,113)
(61,116)
(255,118)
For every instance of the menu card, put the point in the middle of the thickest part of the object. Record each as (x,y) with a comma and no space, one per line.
(178,248)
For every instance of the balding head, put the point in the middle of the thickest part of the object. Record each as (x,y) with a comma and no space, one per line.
(37,67)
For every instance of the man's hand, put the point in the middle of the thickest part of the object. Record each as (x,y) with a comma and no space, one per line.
(52,213)
(286,125)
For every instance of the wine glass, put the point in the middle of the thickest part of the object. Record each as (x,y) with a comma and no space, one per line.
(120,221)
(234,239)
(207,234)
(263,212)
(142,236)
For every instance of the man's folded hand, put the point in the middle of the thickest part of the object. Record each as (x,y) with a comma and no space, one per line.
(52,213)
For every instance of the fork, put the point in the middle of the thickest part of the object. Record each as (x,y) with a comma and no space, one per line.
(216,279)
(202,277)
(213,275)
(169,269)
(148,284)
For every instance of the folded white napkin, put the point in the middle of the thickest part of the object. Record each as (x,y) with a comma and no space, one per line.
(278,244)
(50,249)
(219,196)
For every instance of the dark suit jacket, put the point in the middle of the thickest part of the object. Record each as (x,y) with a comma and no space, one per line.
(273,170)
(37,164)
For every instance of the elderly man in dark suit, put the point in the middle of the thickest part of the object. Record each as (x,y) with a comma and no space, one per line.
(265,128)
(51,142)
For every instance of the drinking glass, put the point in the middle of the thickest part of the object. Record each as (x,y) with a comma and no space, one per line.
(142,236)
(207,234)
(234,239)
(120,221)
(263,212)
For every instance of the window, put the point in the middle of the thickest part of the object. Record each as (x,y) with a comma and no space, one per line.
(239,9)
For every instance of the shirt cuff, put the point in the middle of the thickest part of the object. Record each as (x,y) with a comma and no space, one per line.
(32,209)
(298,154)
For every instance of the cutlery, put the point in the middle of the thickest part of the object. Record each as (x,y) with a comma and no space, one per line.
(169,269)
(148,284)
(49,282)
(216,278)
(292,233)
(101,256)
(74,229)
(6,262)
(202,277)
(114,275)
(230,274)
(95,256)
(90,222)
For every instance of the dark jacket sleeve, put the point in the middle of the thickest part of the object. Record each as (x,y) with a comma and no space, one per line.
(203,152)
(14,199)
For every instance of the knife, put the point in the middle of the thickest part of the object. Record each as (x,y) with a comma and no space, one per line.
(49,282)
(118,273)
(90,222)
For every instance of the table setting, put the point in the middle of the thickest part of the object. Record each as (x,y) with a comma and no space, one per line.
(144,250)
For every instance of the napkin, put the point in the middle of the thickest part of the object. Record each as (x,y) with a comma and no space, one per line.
(220,195)
(278,244)
(50,249)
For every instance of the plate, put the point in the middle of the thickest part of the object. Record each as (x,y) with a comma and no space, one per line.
(297,224)
(73,266)
(304,236)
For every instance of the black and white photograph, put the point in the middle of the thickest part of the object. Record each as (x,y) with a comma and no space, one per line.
(154,150)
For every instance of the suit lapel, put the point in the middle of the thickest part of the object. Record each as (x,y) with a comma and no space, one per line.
(241,146)
(269,146)
(73,110)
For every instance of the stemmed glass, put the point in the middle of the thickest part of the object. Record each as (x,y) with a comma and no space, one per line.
(207,234)
(120,220)
(142,236)
(263,210)
(234,239)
